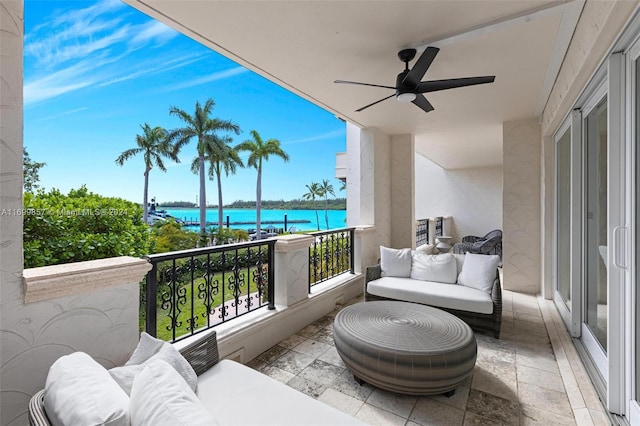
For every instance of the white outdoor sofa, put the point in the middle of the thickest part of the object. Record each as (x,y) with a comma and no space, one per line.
(421,281)
(237,395)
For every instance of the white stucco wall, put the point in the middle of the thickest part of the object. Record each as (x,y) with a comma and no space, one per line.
(521,206)
(472,197)
(369,187)
(102,322)
(403,232)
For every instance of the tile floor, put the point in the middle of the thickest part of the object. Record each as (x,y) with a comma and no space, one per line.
(516,380)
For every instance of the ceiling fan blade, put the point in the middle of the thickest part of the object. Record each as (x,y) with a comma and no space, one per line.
(376,102)
(452,83)
(421,66)
(423,103)
(363,84)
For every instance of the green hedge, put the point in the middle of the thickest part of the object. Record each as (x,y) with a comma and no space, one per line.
(81,226)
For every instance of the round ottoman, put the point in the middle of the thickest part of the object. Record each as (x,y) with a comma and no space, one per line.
(405,347)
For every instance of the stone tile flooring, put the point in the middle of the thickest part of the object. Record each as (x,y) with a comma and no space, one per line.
(516,380)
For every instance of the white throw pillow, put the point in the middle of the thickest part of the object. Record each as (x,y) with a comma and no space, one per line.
(159,397)
(79,391)
(433,267)
(150,349)
(459,262)
(479,271)
(395,262)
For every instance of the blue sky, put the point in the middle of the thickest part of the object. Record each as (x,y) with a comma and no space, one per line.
(94,71)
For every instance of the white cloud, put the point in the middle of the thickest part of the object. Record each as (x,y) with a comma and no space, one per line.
(152,31)
(62,114)
(322,136)
(58,83)
(231,72)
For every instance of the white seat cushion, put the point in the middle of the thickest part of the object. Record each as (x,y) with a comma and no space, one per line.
(239,395)
(451,296)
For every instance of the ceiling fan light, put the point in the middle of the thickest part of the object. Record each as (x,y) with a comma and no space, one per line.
(406,97)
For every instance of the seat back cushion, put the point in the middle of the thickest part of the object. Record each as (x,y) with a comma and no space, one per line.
(395,262)
(433,267)
(161,397)
(150,349)
(79,391)
(479,271)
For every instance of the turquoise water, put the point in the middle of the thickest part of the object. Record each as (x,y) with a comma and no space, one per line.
(337,218)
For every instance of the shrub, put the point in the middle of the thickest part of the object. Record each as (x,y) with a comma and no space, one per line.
(169,236)
(80,226)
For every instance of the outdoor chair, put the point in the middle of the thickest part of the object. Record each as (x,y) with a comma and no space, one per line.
(491,243)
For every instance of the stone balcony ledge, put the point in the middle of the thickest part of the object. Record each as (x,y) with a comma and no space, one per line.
(51,282)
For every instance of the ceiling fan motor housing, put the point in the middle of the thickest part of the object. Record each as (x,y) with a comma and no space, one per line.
(404,93)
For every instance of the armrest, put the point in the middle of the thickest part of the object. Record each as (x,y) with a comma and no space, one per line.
(372,273)
(496,297)
(37,415)
(203,353)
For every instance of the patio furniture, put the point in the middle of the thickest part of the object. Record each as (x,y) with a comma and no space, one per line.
(475,296)
(491,243)
(232,393)
(405,347)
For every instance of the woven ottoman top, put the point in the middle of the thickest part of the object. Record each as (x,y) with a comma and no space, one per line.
(404,327)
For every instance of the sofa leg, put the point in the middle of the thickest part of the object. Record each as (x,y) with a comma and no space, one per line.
(450,393)
(359,380)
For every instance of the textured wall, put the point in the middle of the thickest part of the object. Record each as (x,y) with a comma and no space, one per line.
(599,25)
(472,197)
(382,183)
(403,232)
(32,336)
(521,206)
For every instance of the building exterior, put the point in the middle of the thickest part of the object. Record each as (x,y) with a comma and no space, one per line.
(550,156)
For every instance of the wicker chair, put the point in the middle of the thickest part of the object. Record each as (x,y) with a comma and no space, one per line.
(491,243)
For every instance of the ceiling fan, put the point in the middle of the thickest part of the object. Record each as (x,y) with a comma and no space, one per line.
(409,88)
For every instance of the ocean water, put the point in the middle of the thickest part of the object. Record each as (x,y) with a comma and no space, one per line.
(337,218)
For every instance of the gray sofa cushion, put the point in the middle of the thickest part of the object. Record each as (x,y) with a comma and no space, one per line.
(450,296)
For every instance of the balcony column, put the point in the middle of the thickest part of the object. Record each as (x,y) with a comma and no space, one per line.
(403,222)
(292,269)
(521,206)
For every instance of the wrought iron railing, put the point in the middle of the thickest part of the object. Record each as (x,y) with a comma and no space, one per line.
(187,292)
(422,232)
(331,254)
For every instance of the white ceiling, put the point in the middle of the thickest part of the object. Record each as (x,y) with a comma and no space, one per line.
(306,45)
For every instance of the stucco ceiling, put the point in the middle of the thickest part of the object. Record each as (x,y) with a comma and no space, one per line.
(306,45)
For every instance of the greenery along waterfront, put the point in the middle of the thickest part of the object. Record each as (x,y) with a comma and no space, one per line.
(299,204)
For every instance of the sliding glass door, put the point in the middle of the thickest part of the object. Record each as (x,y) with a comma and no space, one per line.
(595,232)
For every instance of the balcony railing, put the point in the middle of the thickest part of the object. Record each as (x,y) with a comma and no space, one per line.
(330,254)
(189,291)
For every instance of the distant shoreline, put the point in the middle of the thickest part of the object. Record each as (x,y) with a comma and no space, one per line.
(331,204)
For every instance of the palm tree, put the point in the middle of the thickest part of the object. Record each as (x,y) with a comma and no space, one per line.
(314,191)
(153,145)
(326,189)
(205,129)
(259,151)
(221,157)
